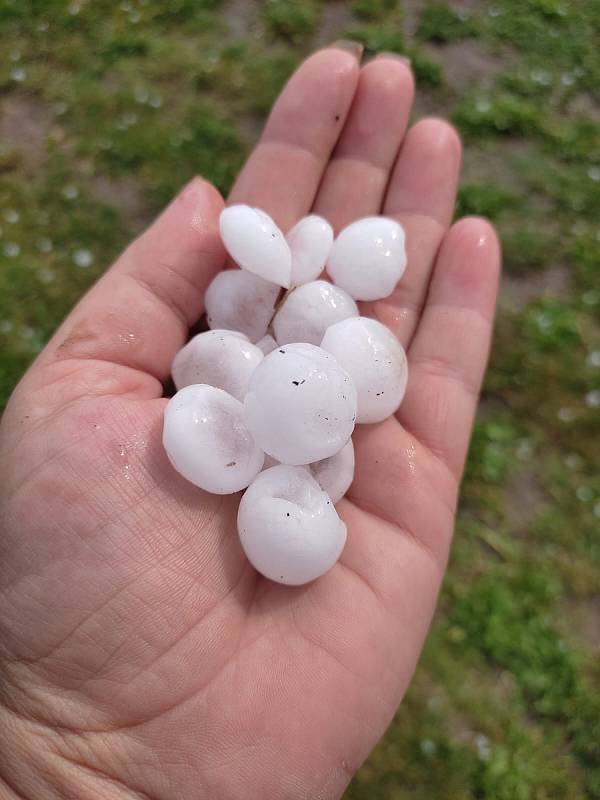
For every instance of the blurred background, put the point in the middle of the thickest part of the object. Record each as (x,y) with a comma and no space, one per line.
(108,107)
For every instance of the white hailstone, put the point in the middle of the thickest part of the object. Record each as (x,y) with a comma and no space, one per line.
(301,405)
(309,310)
(255,242)
(335,474)
(310,241)
(239,301)
(207,440)
(225,359)
(376,362)
(267,344)
(288,526)
(368,258)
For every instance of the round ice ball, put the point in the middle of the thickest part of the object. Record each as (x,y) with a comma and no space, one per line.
(255,242)
(309,310)
(288,526)
(301,405)
(375,360)
(310,241)
(336,473)
(368,258)
(225,359)
(239,301)
(207,440)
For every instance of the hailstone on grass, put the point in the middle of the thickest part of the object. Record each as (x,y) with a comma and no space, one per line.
(288,526)
(301,405)
(255,242)
(310,241)
(368,258)
(208,442)
(240,301)
(376,361)
(225,359)
(309,310)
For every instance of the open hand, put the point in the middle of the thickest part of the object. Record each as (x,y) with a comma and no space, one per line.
(141,656)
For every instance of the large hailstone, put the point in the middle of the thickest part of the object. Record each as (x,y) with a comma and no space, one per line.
(255,242)
(288,526)
(225,359)
(310,241)
(336,473)
(239,301)
(368,258)
(301,405)
(375,360)
(207,440)
(309,310)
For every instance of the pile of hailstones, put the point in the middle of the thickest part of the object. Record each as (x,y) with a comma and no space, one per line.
(268,398)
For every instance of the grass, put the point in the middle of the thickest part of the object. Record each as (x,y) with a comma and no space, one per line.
(109,107)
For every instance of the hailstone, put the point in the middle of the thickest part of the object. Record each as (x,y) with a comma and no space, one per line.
(224,359)
(301,405)
(267,344)
(208,442)
(310,241)
(255,242)
(336,473)
(239,301)
(375,360)
(309,310)
(288,526)
(368,258)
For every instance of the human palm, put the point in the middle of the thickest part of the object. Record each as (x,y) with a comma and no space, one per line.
(141,656)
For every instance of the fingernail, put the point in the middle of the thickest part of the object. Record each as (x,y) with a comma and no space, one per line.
(350,46)
(397,56)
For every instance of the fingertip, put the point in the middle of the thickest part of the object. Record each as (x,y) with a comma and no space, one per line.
(392,73)
(468,265)
(438,136)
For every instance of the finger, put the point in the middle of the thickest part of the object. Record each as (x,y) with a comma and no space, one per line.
(421,196)
(449,351)
(138,313)
(283,172)
(355,180)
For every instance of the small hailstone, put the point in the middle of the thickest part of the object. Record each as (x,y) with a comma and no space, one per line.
(267,344)
(310,241)
(239,301)
(309,310)
(225,359)
(336,473)
(288,526)
(368,258)
(376,362)
(255,242)
(301,405)
(207,440)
